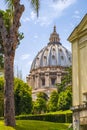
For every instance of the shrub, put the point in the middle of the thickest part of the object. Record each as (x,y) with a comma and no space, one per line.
(60,118)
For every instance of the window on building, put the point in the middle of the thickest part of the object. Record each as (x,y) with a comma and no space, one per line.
(54,49)
(53,57)
(47,49)
(62,57)
(53,62)
(53,81)
(37,61)
(69,59)
(60,50)
(45,60)
(66,51)
(43,82)
(85,97)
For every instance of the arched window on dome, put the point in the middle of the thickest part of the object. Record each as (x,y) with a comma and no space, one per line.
(67,51)
(53,51)
(37,62)
(62,57)
(53,56)
(70,59)
(53,60)
(45,61)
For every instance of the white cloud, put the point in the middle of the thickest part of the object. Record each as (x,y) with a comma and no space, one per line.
(49,11)
(33,15)
(36,36)
(25,19)
(53,10)
(76,12)
(43,20)
(29,63)
(76,15)
(61,5)
(25,56)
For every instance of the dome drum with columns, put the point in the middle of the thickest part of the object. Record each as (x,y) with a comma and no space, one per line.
(49,65)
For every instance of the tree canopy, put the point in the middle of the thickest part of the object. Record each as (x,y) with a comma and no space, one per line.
(22,94)
(65,81)
(65,99)
(52,103)
(40,105)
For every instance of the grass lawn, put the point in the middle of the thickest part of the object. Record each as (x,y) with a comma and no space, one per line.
(35,125)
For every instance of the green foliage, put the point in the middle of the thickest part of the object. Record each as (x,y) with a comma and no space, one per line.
(1,84)
(65,99)
(40,103)
(60,118)
(65,91)
(52,103)
(36,5)
(7,18)
(3,127)
(22,94)
(1,104)
(65,81)
(61,112)
(10,4)
(42,95)
(23,98)
(35,125)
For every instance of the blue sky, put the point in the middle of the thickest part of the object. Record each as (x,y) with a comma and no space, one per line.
(66,15)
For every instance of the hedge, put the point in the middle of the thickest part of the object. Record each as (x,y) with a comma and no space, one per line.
(60,118)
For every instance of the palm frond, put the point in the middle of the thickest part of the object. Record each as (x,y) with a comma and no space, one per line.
(10,9)
(9,4)
(36,5)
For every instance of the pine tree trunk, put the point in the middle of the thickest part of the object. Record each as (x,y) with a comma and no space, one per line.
(9,112)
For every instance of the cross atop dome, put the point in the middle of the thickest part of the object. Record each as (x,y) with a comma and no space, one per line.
(54,37)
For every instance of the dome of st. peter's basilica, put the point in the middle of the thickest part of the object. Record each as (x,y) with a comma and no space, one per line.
(48,67)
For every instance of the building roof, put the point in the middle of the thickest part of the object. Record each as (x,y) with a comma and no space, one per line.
(54,54)
(80,28)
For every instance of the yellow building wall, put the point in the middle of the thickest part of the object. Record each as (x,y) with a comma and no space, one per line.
(78,38)
(75,72)
(79,69)
(83,70)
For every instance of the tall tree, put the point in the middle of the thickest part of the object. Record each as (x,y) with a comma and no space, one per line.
(53,100)
(41,102)
(10,40)
(66,80)
(23,97)
(65,99)
(22,94)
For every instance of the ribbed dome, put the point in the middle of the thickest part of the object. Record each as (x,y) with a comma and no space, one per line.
(54,54)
